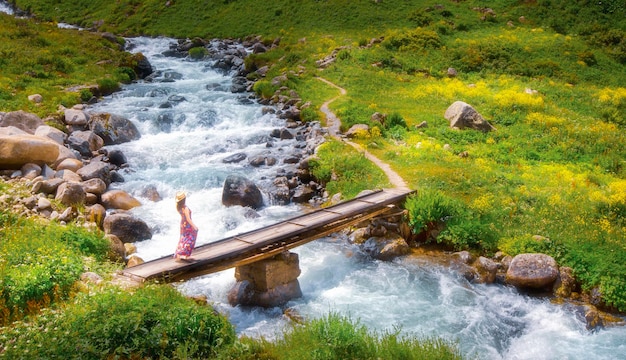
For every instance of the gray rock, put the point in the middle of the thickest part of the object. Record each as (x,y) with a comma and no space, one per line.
(96,169)
(532,271)
(234,158)
(386,248)
(462,115)
(54,134)
(113,129)
(486,269)
(95,186)
(75,117)
(241,191)
(127,228)
(22,120)
(70,194)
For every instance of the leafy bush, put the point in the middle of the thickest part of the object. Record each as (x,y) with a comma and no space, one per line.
(429,208)
(308,114)
(464,233)
(153,322)
(420,18)
(264,89)
(337,337)
(35,269)
(341,169)
(198,53)
(85,95)
(108,86)
(413,40)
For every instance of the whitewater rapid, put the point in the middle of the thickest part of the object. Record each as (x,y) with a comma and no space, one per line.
(412,294)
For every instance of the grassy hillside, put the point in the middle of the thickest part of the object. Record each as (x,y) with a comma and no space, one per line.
(549,75)
(38,58)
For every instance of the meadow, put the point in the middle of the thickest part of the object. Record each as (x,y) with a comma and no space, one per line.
(547,75)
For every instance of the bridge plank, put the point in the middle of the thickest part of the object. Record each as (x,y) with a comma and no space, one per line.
(269,241)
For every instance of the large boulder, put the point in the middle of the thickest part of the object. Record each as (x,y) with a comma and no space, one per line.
(94,186)
(54,134)
(119,199)
(22,120)
(486,269)
(96,169)
(240,191)
(127,228)
(386,248)
(535,271)
(17,150)
(462,115)
(113,129)
(75,118)
(70,194)
(85,142)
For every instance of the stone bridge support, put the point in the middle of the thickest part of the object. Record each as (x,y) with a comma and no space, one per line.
(267,283)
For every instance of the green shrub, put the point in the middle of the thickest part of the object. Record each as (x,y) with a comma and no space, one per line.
(394,120)
(429,208)
(464,233)
(108,86)
(152,322)
(308,114)
(338,337)
(35,268)
(420,18)
(264,89)
(198,53)
(85,95)
(344,171)
(412,40)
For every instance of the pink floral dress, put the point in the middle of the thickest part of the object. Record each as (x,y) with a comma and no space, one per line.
(187,235)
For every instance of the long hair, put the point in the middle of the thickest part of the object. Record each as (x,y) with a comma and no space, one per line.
(180,205)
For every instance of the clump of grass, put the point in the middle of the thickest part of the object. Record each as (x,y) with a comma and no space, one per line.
(340,168)
(338,337)
(153,322)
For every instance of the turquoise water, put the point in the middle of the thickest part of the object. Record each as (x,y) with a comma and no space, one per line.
(414,294)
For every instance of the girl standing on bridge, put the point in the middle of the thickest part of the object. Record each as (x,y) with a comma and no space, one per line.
(188,230)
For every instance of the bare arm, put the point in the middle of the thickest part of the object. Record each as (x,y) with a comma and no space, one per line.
(188,217)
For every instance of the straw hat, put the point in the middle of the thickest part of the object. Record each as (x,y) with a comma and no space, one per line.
(180,196)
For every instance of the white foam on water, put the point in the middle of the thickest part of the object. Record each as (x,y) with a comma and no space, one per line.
(420,298)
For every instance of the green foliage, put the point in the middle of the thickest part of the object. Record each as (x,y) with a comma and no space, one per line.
(413,40)
(35,267)
(108,86)
(420,18)
(395,119)
(464,233)
(198,53)
(429,208)
(337,337)
(341,169)
(461,228)
(152,322)
(308,114)
(85,95)
(264,89)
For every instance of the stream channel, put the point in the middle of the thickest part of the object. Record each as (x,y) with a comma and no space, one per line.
(412,293)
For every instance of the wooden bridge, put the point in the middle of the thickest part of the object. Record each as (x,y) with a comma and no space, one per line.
(269,241)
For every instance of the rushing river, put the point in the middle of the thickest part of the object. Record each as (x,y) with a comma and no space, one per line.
(413,294)
(416,295)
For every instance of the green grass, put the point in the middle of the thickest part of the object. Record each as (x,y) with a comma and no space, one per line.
(342,169)
(155,321)
(51,61)
(555,166)
(337,337)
